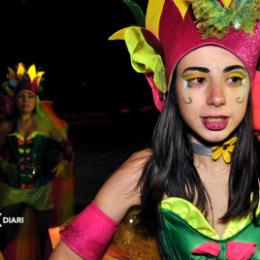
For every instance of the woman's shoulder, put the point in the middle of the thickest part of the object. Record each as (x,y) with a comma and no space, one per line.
(131,170)
(137,160)
(141,156)
(121,191)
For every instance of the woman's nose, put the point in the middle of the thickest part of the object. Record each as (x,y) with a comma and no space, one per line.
(216,96)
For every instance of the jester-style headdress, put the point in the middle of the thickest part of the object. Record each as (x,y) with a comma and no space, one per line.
(23,79)
(173,28)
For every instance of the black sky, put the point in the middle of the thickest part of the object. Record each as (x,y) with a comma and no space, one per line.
(68,39)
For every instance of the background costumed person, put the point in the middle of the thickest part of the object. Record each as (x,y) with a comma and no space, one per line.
(197,186)
(34,151)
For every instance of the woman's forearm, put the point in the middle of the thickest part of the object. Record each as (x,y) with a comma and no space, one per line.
(88,234)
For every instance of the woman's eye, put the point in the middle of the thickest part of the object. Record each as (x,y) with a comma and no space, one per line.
(235,81)
(196,82)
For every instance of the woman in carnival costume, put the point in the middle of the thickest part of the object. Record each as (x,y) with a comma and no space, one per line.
(198,184)
(35,150)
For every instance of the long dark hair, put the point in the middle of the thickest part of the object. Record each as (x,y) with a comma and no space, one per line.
(171,172)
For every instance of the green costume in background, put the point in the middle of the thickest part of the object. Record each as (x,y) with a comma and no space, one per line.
(27,171)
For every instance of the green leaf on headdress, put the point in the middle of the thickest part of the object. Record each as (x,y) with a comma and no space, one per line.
(137,12)
(214,20)
(246,12)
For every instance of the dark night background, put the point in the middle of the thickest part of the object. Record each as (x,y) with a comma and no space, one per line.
(68,39)
(90,80)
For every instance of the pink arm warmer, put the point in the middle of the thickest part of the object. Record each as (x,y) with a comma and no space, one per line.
(89,233)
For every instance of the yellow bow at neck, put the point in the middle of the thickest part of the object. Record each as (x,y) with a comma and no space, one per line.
(225,150)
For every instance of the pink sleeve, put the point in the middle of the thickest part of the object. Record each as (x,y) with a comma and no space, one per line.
(89,233)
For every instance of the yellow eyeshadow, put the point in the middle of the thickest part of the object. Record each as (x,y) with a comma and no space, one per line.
(190,76)
(238,74)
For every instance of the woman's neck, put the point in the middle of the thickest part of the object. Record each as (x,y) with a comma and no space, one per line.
(25,117)
(26,124)
(214,174)
(207,164)
(203,156)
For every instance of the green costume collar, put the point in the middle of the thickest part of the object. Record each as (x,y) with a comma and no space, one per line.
(194,217)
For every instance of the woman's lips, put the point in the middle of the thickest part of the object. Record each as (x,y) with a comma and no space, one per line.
(215,123)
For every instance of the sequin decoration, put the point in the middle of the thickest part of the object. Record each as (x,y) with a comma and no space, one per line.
(129,244)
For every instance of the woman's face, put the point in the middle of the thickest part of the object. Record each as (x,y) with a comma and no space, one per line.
(212,89)
(25,102)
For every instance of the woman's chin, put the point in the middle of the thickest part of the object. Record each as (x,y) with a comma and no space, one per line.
(215,136)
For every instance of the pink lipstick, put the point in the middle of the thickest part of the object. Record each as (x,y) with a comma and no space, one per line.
(215,123)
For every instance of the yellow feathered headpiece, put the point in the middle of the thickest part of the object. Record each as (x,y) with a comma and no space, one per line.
(23,79)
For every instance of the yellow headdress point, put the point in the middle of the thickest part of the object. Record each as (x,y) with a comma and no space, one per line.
(119,35)
(11,74)
(20,70)
(33,73)
(183,5)
(226,2)
(153,15)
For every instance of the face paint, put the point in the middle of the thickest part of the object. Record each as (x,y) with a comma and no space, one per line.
(237,79)
(241,99)
(186,99)
(191,80)
(216,85)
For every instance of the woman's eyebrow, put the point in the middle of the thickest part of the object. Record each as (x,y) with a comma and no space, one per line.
(202,69)
(206,70)
(234,67)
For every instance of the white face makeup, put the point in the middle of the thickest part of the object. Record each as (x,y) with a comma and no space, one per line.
(212,88)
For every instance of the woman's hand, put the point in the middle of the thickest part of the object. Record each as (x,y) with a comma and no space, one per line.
(61,170)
